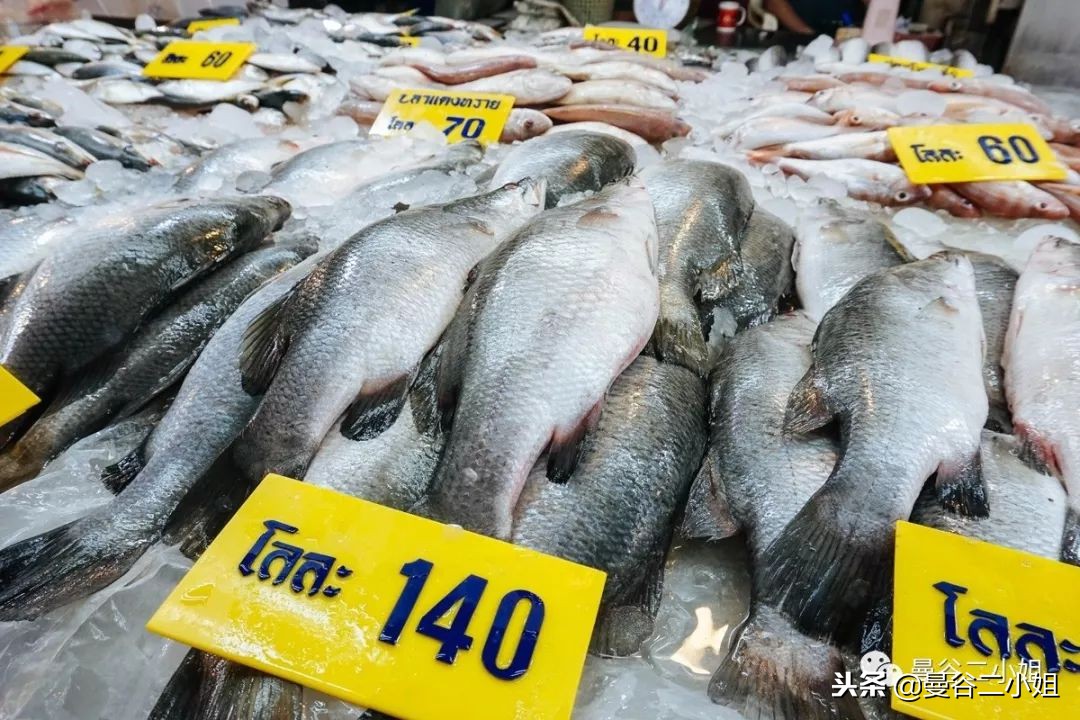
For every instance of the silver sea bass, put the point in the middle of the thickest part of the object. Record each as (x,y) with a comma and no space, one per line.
(898,362)
(553,318)
(352,334)
(616,511)
(755,479)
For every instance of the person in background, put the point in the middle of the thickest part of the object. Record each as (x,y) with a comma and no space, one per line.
(817,16)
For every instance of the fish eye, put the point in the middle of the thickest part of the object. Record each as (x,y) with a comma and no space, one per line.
(902,195)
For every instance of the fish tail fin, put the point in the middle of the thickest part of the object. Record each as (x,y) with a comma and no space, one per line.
(763,155)
(824,568)
(205,509)
(208,687)
(708,515)
(119,475)
(1070,538)
(1036,451)
(67,563)
(960,487)
(774,672)
(623,626)
(681,341)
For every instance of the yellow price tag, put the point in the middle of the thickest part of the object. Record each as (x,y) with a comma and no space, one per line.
(971,611)
(387,610)
(968,153)
(198,60)
(651,41)
(409,40)
(10,54)
(196,25)
(916,65)
(459,115)
(15,398)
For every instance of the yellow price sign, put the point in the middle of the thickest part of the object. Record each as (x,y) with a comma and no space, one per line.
(982,631)
(199,60)
(10,54)
(409,40)
(916,65)
(15,398)
(651,41)
(196,25)
(387,610)
(459,115)
(969,153)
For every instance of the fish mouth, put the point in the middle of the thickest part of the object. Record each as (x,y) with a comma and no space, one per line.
(533,190)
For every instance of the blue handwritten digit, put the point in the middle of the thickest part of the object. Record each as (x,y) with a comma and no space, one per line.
(519,664)
(455,121)
(472,128)
(417,571)
(1023,149)
(994,150)
(453,638)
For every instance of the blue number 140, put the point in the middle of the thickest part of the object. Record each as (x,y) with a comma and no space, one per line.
(466,596)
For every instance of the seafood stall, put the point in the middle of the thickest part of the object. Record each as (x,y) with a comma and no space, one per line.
(384,364)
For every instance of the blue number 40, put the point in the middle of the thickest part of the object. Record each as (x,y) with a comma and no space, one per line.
(466,596)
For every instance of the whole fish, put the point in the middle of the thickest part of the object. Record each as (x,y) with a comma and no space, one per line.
(1027,508)
(942,198)
(834,249)
(553,317)
(19,161)
(867,146)
(869,118)
(79,302)
(523,124)
(797,111)
(25,240)
(53,56)
(755,479)
(995,282)
(104,146)
(864,179)
(617,92)
(283,62)
(125,91)
(352,334)
(529,87)
(1042,373)
(656,126)
(210,410)
(396,467)
(810,83)
(107,68)
(616,512)
(1012,199)
(702,210)
(156,357)
(899,361)
(568,163)
(200,93)
(457,74)
(621,70)
(764,277)
(1067,195)
(12,111)
(456,157)
(44,141)
(211,171)
(1011,94)
(851,97)
(778,130)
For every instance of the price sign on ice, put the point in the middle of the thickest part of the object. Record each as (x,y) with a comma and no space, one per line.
(459,115)
(10,54)
(970,153)
(651,41)
(198,60)
(196,25)
(387,610)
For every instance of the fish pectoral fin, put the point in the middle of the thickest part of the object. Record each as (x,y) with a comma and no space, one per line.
(960,488)
(807,409)
(708,515)
(566,445)
(374,411)
(119,475)
(264,346)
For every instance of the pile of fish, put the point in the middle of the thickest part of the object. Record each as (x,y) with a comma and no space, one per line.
(827,116)
(581,342)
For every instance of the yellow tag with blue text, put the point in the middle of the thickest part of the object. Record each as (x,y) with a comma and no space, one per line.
(459,115)
(982,631)
(196,25)
(916,65)
(10,54)
(651,41)
(199,60)
(970,153)
(387,610)
(15,398)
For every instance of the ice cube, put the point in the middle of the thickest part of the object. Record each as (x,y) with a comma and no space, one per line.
(920,221)
(234,121)
(108,175)
(338,127)
(818,47)
(76,192)
(144,22)
(920,102)
(252,181)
